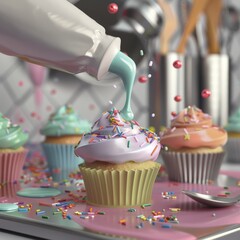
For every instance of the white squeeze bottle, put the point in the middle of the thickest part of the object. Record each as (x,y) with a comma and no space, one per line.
(56,34)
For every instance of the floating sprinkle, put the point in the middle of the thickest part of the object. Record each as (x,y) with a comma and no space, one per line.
(166,226)
(101,213)
(123,221)
(132,210)
(53,91)
(138,226)
(149,75)
(222,195)
(186,137)
(144,143)
(153,115)
(141,52)
(154,150)
(146,205)
(40,212)
(175,209)
(57,212)
(150,63)
(45,204)
(23,209)
(45,217)
(20,83)
(135,138)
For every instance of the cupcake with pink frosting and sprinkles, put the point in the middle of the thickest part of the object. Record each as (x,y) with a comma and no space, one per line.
(120,166)
(193,147)
(62,132)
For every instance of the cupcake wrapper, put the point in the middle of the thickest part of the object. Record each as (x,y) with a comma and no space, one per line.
(192,167)
(232,149)
(61,160)
(11,165)
(10,190)
(119,188)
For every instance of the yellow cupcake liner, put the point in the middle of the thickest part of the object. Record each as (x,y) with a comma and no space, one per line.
(119,188)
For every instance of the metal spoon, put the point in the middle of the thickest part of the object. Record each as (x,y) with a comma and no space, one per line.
(212,201)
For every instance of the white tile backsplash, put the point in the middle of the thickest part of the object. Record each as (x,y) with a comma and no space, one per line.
(17,97)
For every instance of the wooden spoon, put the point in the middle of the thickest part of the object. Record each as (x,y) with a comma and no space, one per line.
(169,27)
(197,8)
(213,12)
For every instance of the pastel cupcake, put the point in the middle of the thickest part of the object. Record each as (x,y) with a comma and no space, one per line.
(12,150)
(233,144)
(195,147)
(120,162)
(63,131)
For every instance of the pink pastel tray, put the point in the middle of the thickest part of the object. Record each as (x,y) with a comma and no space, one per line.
(195,220)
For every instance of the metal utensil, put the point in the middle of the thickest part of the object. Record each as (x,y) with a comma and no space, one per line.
(230,26)
(145,17)
(212,201)
(214,75)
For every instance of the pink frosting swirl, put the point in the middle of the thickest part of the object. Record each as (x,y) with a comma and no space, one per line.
(115,140)
(192,128)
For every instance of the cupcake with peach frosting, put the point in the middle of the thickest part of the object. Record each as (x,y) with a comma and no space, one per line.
(120,162)
(194,147)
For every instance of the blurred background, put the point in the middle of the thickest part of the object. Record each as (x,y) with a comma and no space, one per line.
(152,33)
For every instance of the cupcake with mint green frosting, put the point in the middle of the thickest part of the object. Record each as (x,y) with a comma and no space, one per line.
(62,132)
(233,144)
(12,150)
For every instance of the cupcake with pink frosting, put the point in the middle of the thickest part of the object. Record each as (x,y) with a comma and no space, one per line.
(120,162)
(193,147)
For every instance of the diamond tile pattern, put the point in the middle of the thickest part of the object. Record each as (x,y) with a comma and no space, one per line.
(17,98)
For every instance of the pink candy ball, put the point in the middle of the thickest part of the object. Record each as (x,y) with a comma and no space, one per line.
(177,98)
(177,64)
(206,93)
(112,8)
(143,79)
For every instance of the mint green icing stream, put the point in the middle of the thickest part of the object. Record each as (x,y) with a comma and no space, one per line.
(234,122)
(11,135)
(65,122)
(125,68)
